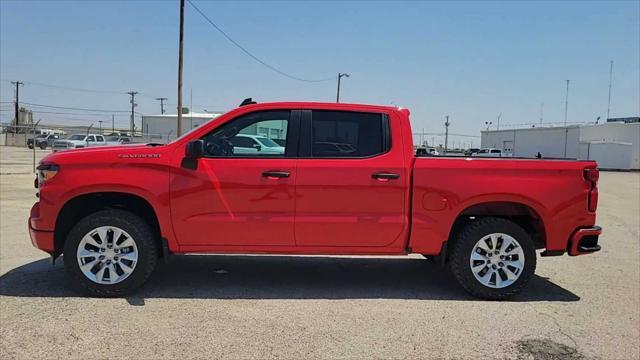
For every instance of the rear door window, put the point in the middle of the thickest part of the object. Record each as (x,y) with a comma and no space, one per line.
(344,134)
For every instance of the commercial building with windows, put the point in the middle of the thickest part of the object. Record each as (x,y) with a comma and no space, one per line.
(614,145)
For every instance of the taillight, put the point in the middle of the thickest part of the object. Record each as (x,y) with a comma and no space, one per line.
(592,176)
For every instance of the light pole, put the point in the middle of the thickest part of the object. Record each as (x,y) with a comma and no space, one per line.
(566,104)
(610,80)
(100,121)
(488,123)
(340,75)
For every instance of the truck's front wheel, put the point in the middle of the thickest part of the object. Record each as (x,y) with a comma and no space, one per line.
(110,253)
(493,258)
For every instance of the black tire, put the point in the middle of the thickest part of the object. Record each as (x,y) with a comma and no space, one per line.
(143,236)
(30,146)
(464,244)
(42,145)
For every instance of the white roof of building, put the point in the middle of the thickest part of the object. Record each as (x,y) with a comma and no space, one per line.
(188,115)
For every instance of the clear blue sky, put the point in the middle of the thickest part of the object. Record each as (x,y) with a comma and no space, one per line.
(469,60)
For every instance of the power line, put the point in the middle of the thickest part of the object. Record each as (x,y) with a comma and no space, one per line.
(60,87)
(71,88)
(70,113)
(254,57)
(74,108)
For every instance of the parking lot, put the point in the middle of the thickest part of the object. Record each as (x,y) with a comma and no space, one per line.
(299,307)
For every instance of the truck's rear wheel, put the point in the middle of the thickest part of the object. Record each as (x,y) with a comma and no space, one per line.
(110,253)
(493,258)
(43,145)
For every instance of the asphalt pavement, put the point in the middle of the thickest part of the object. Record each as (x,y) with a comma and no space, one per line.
(240,306)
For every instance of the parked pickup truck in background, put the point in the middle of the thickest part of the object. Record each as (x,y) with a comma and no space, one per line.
(78,141)
(42,141)
(482,217)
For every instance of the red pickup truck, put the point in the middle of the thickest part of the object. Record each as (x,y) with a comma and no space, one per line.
(309,178)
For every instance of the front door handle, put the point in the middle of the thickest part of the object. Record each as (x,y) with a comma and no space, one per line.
(276,174)
(385,176)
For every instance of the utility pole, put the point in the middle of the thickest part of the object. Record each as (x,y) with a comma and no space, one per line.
(498,125)
(541,112)
(566,104)
(340,75)
(179,126)
(17,84)
(113,123)
(610,80)
(162,99)
(446,134)
(133,105)
(100,121)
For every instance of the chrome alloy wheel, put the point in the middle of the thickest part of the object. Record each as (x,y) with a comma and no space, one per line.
(107,255)
(497,260)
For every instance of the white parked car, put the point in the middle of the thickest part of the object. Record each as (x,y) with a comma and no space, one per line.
(491,152)
(255,144)
(433,151)
(79,141)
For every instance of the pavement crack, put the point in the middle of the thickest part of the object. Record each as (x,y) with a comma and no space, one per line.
(555,321)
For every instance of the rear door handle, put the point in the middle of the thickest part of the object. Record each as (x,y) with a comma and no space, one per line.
(385,176)
(276,174)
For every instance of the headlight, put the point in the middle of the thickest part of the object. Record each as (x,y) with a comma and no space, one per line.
(46,172)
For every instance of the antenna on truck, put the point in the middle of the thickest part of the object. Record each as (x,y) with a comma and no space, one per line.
(247,101)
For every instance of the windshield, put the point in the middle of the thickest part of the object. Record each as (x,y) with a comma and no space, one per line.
(76,137)
(267,142)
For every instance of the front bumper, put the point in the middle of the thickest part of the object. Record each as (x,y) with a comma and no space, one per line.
(585,241)
(41,239)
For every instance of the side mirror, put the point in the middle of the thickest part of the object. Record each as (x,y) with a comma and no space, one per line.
(257,147)
(194,149)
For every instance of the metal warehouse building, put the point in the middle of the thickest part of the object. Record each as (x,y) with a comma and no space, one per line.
(165,127)
(614,145)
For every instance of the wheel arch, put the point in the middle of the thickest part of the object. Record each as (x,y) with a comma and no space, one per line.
(85,204)
(525,215)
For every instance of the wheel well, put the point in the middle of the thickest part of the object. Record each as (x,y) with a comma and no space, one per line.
(81,206)
(521,214)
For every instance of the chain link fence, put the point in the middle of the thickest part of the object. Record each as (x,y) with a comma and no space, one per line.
(24,135)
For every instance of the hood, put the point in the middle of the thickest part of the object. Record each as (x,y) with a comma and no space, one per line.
(106,154)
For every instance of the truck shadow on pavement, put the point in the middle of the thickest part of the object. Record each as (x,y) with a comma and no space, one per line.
(278,277)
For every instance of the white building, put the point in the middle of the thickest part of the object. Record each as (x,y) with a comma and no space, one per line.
(162,128)
(614,145)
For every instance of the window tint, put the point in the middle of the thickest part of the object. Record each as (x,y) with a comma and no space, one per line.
(91,138)
(99,138)
(237,137)
(496,151)
(346,134)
